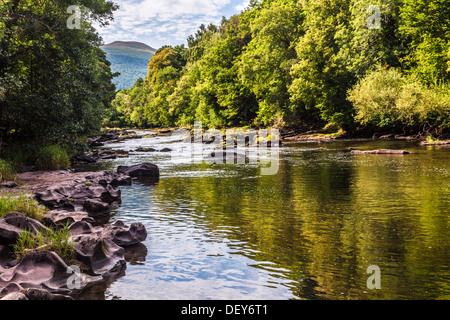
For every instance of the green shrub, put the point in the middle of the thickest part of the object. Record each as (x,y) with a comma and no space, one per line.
(7,172)
(23,203)
(52,158)
(46,240)
(432,140)
(386,98)
(374,98)
(20,153)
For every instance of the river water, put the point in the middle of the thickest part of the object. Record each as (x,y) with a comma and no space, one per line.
(310,231)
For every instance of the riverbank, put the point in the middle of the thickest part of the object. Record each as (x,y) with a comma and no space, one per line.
(81,203)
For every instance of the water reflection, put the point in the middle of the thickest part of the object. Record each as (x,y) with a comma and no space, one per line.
(309,232)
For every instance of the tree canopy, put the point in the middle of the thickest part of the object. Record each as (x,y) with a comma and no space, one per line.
(55,81)
(303,64)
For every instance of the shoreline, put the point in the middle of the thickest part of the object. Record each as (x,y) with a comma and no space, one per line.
(286,136)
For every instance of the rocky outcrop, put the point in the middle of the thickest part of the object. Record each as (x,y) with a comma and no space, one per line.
(96,208)
(117,232)
(8,233)
(36,294)
(56,219)
(8,184)
(99,251)
(112,136)
(95,193)
(435,143)
(38,181)
(79,201)
(21,222)
(39,269)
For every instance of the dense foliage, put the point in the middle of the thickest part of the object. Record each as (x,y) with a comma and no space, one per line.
(305,63)
(55,81)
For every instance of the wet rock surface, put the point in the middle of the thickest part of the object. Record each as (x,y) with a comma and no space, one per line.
(80,201)
(8,185)
(40,270)
(100,255)
(144,170)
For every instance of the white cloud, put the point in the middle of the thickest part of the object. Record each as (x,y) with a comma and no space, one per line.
(158,22)
(243,5)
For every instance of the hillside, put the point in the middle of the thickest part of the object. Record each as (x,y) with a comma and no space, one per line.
(130,59)
(138,46)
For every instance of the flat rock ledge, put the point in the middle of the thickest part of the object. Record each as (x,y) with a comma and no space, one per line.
(83,201)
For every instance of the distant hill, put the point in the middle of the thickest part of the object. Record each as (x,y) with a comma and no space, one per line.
(130,59)
(139,46)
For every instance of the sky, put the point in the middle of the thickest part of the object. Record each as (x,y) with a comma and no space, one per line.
(165,22)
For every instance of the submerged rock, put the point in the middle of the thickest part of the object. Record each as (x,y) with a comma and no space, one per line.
(381,151)
(8,184)
(142,149)
(225,156)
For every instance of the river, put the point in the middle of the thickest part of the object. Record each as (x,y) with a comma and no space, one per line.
(311,231)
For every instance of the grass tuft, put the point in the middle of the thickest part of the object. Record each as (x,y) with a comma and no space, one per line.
(52,158)
(7,172)
(57,241)
(23,203)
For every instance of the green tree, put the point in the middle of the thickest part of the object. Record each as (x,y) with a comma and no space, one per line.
(427,24)
(265,64)
(302,63)
(223,100)
(55,82)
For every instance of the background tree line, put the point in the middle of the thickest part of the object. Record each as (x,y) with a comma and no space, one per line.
(305,64)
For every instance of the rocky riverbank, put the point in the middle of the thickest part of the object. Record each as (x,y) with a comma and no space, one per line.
(82,201)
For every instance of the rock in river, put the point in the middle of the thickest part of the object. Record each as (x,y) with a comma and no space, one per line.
(381,151)
(99,254)
(144,170)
